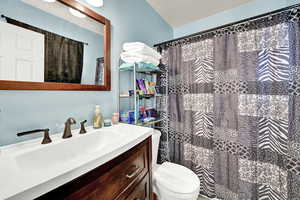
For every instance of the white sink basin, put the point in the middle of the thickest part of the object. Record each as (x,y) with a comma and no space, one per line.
(30,169)
(64,151)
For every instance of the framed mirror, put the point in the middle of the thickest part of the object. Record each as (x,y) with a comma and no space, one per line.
(53,45)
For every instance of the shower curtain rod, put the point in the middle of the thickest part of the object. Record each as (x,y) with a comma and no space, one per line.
(230,24)
(85,43)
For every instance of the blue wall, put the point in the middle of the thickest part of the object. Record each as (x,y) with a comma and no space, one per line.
(132,20)
(254,8)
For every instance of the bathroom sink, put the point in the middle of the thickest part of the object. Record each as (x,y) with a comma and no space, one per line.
(64,151)
(39,168)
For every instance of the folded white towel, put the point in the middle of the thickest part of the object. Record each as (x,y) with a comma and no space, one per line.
(144,52)
(141,48)
(133,57)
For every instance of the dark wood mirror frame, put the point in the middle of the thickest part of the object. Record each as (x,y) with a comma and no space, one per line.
(23,85)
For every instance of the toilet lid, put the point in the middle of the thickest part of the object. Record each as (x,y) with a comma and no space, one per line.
(176,178)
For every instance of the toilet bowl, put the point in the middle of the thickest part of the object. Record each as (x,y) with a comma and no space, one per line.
(172,181)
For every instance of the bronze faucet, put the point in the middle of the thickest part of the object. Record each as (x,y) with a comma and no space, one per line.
(46,139)
(67,131)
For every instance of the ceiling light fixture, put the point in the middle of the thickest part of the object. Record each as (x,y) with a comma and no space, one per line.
(76,13)
(95,3)
(50,1)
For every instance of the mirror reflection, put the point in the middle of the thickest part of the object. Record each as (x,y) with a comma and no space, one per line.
(42,41)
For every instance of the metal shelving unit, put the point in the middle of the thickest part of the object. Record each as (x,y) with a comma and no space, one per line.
(135,101)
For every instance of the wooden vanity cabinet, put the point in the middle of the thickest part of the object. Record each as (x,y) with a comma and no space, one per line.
(127,177)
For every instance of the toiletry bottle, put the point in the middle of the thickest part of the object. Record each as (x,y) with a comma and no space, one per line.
(98,118)
(115,118)
(107,123)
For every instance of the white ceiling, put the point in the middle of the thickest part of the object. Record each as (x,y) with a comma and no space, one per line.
(180,12)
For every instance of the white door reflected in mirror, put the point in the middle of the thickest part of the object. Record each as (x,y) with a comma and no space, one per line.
(21,54)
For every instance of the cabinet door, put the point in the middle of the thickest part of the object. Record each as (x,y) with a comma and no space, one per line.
(141,192)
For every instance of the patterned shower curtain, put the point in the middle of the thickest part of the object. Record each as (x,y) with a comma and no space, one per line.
(234,108)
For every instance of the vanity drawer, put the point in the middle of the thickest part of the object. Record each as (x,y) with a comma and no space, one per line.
(141,191)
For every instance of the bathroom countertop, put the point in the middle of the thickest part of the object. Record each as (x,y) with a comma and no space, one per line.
(22,176)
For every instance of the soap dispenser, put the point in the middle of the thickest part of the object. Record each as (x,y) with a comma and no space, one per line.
(98,118)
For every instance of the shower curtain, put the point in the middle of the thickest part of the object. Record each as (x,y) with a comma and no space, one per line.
(234,108)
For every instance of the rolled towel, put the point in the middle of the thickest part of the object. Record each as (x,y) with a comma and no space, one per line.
(141,48)
(133,57)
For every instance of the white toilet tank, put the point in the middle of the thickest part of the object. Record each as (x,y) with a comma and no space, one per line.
(155,144)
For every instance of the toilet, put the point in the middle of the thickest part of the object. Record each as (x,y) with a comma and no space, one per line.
(172,181)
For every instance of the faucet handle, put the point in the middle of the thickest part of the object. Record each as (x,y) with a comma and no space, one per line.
(46,139)
(82,129)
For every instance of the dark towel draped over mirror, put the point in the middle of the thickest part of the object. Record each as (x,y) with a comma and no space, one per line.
(63,56)
(64,59)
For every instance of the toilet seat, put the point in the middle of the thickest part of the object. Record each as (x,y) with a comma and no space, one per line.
(176,181)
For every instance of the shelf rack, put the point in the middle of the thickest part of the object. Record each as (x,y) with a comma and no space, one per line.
(136,98)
